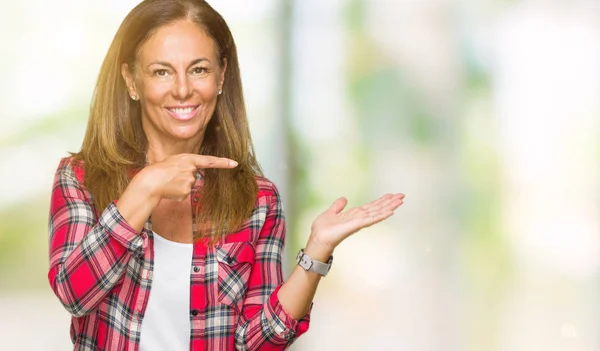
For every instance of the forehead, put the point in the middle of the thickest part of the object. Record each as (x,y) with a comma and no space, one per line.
(181,40)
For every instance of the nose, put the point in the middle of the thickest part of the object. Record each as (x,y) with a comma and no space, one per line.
(182,88)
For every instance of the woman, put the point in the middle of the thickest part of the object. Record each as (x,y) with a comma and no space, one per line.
(154,244)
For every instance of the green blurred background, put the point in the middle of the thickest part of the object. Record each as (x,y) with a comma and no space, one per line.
(485,113)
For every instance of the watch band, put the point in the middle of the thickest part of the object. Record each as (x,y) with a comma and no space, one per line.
(309,264)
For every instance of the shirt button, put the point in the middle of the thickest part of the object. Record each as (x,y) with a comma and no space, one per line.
(194,313)
(196,269)
(229,259)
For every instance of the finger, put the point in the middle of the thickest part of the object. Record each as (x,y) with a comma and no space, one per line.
(391,197)
(377,201)
(202,161)
(391,204)
(338,205)
(395,202)
(385,202)
(382,200)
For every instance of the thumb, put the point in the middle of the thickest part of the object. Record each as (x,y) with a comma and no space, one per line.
(338,205)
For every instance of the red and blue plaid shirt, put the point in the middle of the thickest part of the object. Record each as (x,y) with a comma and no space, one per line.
(101,270)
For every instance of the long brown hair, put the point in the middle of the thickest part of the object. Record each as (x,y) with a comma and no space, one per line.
(115,145)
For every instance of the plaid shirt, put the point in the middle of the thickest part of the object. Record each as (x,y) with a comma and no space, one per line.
(101,271)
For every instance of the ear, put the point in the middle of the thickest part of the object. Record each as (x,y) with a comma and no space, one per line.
(222,75)
(129,81)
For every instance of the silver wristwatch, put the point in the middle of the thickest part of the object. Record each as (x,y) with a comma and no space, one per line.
(310,264)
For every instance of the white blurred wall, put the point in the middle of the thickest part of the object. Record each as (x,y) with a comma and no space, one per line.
(409,283)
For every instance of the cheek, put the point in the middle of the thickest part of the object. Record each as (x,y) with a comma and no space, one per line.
(207,88)
(155,92)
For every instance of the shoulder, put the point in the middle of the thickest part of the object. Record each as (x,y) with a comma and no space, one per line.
(266,188)
(268,200)
(71,167)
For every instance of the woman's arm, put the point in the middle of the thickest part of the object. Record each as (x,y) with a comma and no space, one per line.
(328,231)
(88,255)
(276,313)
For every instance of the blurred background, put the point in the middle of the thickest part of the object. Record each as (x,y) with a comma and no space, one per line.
(485,113)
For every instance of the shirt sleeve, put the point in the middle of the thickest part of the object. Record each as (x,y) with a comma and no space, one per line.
(88,254)
(265,325)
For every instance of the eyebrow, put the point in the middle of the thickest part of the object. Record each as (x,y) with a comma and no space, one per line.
(164,63)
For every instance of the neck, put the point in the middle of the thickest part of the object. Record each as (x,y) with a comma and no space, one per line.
(159,150)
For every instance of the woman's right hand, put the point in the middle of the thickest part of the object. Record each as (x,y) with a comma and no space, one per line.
(174,177)
(171,178)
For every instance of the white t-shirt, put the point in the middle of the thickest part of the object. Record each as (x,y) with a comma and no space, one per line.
(166,323)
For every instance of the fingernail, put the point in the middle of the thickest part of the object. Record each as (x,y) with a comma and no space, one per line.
(233,163)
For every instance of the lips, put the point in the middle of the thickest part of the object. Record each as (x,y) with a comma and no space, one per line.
(183,113)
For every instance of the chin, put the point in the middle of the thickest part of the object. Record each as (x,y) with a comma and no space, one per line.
(186,133)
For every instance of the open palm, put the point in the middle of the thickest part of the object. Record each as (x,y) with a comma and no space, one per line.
(335,224)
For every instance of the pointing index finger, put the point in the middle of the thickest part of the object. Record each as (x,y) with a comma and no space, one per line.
(202,161)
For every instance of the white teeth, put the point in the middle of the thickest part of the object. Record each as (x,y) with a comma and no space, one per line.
(183,111)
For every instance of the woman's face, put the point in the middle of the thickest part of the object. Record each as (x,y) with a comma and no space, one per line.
(177,79)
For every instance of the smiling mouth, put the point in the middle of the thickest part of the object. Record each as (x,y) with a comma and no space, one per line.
(183,113)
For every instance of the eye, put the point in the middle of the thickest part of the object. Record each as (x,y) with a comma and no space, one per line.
(161,73)
(199,70)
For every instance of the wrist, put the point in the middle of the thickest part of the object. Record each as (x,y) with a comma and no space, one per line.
(145,188)
(317,249)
